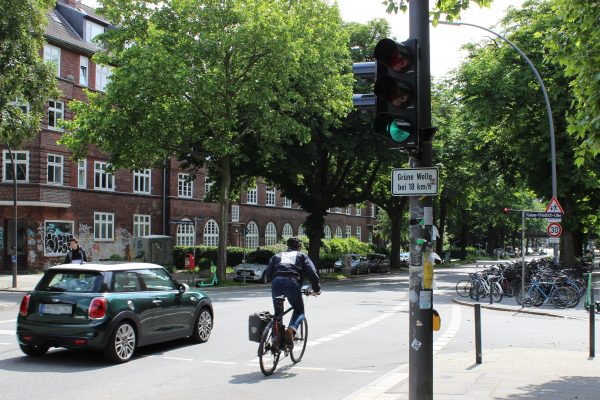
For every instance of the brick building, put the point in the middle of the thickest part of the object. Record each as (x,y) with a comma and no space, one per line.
(59,198)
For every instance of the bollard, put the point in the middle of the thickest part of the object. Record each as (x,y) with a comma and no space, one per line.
(592,325)
(478,357)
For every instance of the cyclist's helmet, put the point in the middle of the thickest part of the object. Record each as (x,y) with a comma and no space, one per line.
(294,243)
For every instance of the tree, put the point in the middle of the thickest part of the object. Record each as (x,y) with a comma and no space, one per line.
(24,77)
(451,9)
(201,79)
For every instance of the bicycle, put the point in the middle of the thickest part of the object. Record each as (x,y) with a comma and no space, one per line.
(483,285)
(272,342)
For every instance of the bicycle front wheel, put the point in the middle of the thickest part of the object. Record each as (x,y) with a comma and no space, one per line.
(268,351)
(463,287)
(300,340)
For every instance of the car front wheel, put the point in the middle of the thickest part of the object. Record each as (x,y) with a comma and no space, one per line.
(121,345)
(202,326)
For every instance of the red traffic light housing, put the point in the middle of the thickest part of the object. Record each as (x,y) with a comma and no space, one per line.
(505,210)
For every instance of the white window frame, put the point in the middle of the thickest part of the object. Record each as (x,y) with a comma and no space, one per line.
(52,54)
(252,196)
(235,213)
(348,210)
(207,186)
(90,32)
(211,233)
(287,203)
(62,241)
(251,241)
(84,71)
(7,165)
(301,232)
(359,233)
(372,210)
(287,231)
(185,188)
(358,210)
(104,227)
(270,234)
(142,225)
(142,181)
(348,231)
(338,232)
(103,180)
(103,74)
(370,238)
(270,197)
(24,106)
(55,114)
(186,234)
(327,232)
(82,173)
(55,163)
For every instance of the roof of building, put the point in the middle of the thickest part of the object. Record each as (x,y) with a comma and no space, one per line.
(60,31)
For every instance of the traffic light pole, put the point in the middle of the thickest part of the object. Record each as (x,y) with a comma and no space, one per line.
(421,215)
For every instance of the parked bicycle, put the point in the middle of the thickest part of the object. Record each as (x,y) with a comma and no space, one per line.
(272,343)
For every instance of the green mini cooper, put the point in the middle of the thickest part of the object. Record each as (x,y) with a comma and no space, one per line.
(114,308)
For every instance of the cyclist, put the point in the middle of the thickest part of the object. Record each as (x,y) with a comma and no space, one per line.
(286,270)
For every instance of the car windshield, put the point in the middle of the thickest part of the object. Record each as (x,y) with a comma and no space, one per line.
(71,281)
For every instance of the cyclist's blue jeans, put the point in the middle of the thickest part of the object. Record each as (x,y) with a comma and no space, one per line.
(290,288)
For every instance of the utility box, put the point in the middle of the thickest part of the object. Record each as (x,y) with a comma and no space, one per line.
(156,249)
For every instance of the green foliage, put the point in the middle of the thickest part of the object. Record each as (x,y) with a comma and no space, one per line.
(207,255)
(347,246)
(23,74)
(451,9)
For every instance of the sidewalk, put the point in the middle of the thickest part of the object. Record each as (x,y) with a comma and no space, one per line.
(25,282)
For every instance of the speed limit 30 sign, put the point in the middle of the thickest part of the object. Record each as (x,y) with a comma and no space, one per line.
(554,229)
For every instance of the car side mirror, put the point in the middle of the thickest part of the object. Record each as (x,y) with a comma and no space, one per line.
(183,288)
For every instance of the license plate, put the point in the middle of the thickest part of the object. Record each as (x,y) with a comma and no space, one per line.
(244,273)
(57,309)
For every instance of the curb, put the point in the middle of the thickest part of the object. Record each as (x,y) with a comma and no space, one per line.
(516,310)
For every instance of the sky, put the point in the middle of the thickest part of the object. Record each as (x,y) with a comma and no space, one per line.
(445,40)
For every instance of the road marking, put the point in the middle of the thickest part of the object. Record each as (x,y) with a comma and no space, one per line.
(179,358)
(360,371)
(8,320)
(310,368)
(5,344)
(377,389)
(7,332)
(220,362)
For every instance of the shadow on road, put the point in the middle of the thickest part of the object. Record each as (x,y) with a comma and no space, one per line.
(566,387)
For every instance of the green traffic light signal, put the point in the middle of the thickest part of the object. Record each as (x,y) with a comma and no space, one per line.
(397,130)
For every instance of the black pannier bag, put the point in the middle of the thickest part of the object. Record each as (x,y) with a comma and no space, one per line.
(257,323)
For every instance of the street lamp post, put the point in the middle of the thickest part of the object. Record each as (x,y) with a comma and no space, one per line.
(546,100)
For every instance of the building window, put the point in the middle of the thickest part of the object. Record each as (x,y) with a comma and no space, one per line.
(141,225)
(185,186)
(359,233)
(358,210)
(56,237)
(337,210)
(348,210)
(270,234)
(348,231)
(83,70)
(252,195)
(104,227)
(82,173)
(235,213)
(103,180)
(287,231)
(186,233)
(103,73)
(372,210)
(23,105)
(211,233)
(55,169)
(56,113)
(92,30)
(270,196)
(207,186)
(252,236)
(370,238)
(327,232)
(338,232)
(301,232)
(52,54)
(142,181)
(21,162)
(287,203)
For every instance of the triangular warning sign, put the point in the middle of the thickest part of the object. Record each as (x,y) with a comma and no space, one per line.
(554,206)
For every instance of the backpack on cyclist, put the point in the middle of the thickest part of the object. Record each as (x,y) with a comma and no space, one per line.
(257,323)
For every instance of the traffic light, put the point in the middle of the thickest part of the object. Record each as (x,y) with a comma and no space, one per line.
(396,88)
(505,210)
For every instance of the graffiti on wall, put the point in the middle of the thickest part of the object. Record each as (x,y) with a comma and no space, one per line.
(56,239)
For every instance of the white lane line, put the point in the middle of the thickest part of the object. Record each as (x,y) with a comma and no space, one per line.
(7,332)
(8,320)
(310,368)
(220,362)
(5,344)
(360,371)
(179,358)
(376,389)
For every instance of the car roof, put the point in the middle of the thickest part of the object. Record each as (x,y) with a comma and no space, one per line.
(104,267)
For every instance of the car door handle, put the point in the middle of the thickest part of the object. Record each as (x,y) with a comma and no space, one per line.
(157,302)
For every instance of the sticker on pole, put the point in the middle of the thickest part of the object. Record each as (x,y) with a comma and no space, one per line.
(554,229)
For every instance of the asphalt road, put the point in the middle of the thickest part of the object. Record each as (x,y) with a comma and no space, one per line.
(357,337)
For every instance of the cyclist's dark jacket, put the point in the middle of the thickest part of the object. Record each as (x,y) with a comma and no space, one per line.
(293,264)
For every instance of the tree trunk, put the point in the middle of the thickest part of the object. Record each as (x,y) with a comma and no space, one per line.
(396,221)
(225,169)
(314,230)
(567,239)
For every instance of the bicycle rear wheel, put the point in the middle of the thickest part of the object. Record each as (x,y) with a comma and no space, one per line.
(463,287)
(300,340)
(268,351)
(497,292)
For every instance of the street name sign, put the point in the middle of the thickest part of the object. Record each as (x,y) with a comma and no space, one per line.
(541,214)
(414,181)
